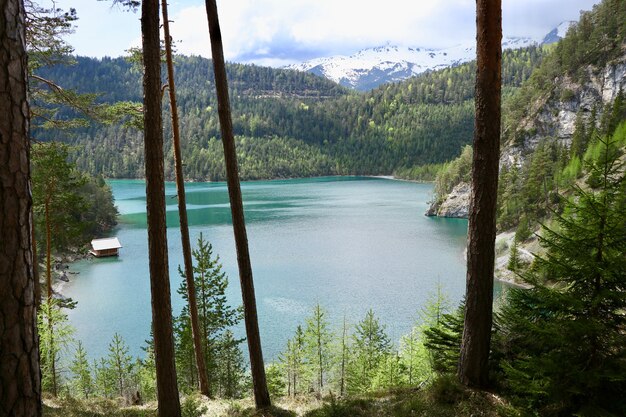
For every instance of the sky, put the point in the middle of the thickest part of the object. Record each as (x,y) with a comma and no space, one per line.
(281,32)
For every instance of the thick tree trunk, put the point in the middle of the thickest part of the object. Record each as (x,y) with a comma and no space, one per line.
(205,388)
(167,388)
(261,394)
(473,366)
(20,377)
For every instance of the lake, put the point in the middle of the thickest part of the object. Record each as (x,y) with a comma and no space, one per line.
(349,243)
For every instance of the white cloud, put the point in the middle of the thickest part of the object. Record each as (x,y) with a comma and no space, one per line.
(283,31)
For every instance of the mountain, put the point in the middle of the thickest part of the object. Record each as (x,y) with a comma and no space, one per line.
(288,123)
(557,33)
(575,95)
(371,67)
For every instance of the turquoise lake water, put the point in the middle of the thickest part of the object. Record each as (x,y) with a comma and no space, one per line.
(350,243)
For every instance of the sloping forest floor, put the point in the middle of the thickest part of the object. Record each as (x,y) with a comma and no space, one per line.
(443,398)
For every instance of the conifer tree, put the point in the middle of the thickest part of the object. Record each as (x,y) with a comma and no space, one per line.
(82,381)
(55,335)
(167,386)
(202,374)
(259,384)
(293,360)
(120,364)
(318,338)
(20,378)
(370,345)
(215,315)
(103,378)
(565,339)
(474,360)
(231,368)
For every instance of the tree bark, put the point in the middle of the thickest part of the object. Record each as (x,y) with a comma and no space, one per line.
(261,394)
(20,377)
(203,380)
(473,366)
(167,388)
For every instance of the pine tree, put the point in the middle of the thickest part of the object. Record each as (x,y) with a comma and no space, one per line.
(566,339)
(20,384)
(370,345)
(82,381)
(104,379)
(120,363)
(257,367)
(475,346)
(294,364)
(147,372)
(215,314)
(55,335)
(161,301)
(514,261)
(231,367)
(318,338)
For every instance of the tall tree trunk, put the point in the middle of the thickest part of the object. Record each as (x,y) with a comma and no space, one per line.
(205,388)
(261,394)
(473,366)
(167,389)
(20,377)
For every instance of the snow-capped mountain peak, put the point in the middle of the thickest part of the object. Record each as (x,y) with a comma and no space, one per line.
(371,67)
(558,32)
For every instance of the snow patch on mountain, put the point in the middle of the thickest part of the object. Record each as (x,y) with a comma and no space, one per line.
(557,33)
(371,67)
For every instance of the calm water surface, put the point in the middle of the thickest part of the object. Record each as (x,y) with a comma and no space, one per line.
(349,243)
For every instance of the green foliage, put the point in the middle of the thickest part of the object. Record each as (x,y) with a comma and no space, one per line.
(192,407)
(146,374)
(414,358)
(120,364)
(82,382)
(317,346)
(443,341)
(370,347)
(426,172)
(452,173)
(79,207)
(514,261)
(275,380)
(55,338)
(288,123)
(55,200)
(564,343)
(294,364)
(224,360)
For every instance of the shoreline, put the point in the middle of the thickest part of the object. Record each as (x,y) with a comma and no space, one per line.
(193,181)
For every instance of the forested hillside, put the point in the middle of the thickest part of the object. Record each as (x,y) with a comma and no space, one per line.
(552,125)
(288,123)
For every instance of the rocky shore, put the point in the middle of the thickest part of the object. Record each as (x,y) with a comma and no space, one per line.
(456,204)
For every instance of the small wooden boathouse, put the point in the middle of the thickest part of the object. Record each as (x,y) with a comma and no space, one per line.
(105,247)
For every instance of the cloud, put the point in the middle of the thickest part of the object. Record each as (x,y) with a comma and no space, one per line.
(278,32)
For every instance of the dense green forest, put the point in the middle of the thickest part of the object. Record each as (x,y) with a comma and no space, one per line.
(288,124)
(530,189)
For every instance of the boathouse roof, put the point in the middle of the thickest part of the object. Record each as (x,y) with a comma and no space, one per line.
(107,243)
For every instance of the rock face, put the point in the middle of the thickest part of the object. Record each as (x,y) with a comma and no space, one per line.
(456,203)
(555,117)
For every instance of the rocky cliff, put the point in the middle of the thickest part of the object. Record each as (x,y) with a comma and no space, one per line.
(554,115)
(456,204)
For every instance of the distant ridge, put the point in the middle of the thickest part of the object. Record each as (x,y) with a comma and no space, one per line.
(371,67)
